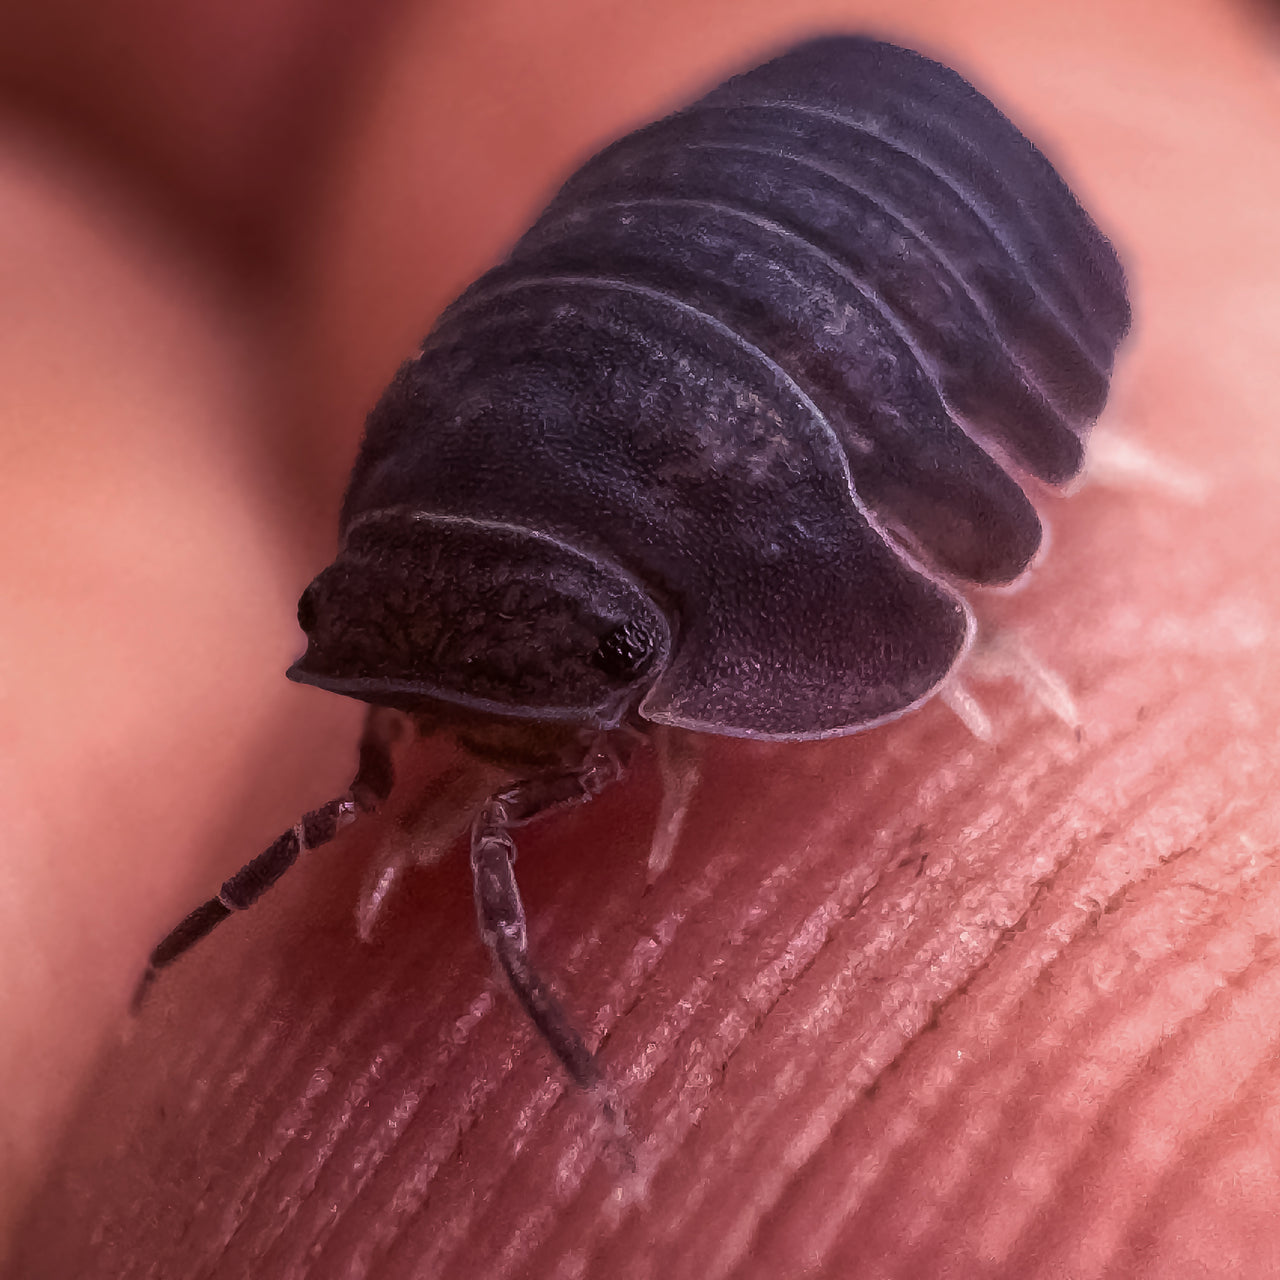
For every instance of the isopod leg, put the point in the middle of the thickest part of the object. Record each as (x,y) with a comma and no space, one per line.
(680,765)
(501,912)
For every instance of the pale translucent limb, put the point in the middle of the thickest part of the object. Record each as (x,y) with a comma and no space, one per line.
(967,710)
(1117,461)
(680,767)
(1004,656)
(437,790)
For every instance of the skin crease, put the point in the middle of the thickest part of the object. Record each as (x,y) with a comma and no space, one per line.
(905,1004)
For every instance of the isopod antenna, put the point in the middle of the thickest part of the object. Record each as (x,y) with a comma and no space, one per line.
(500,911)
(243,889)
(372,784)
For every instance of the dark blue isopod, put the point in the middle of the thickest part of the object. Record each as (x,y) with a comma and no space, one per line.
(714,448)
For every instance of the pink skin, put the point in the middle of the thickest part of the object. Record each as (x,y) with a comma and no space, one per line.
(904,1004)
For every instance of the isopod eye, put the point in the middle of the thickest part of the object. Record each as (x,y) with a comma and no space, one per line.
(627,650)
(307,610)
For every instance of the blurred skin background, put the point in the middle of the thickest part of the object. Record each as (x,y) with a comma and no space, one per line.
(907,1004)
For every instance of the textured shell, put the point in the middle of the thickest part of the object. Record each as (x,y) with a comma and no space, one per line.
(773,363)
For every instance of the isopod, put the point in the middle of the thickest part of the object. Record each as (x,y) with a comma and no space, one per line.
(716,448)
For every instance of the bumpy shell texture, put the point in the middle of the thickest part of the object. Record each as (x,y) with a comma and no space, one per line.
(778,358)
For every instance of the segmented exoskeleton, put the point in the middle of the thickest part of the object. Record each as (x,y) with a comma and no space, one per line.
(716,447)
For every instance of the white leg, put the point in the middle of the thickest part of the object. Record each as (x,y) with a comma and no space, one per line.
(967,709)
(1004,656)
(680,766)
(1117,461)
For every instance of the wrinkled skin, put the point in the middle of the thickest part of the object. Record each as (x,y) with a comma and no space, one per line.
(904,1004)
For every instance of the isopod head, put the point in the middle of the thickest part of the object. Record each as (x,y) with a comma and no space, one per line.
(482,615)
